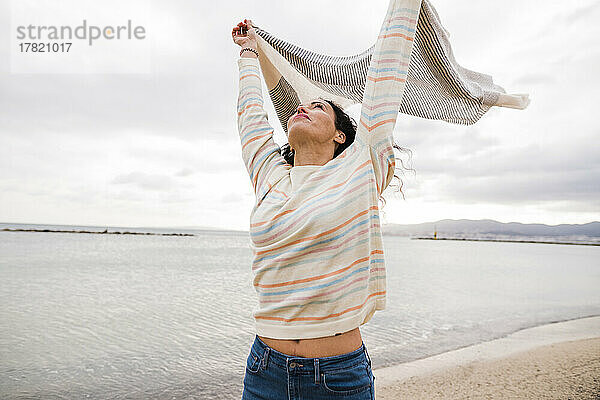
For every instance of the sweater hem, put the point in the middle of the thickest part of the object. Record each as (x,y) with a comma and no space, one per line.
(311,331)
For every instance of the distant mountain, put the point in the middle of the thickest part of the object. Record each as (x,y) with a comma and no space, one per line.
(487,227)
(456,228)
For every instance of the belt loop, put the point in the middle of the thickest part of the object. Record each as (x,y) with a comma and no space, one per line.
(317,374)
(265,357)
(367,354)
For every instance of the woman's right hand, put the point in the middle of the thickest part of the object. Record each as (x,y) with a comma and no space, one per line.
(246,39)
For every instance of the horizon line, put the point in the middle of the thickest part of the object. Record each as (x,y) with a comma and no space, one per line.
(246,230)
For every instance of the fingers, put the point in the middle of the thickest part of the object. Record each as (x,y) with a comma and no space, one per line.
(236,31)
(244,25)
(239,31)
(244,29)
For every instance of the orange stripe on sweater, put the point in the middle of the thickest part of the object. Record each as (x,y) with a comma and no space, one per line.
(313,278)
(316,195)
(403,36)
(280,192)
(386,78)
(281,214)
(325,317)
(391,103)
(304,239)
(339,271)
(247,75)
(248,106)
(370,128)
(255,138)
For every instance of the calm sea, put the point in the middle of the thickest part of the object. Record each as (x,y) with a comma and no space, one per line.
(159,317)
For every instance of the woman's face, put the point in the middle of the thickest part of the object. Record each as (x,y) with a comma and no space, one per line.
(313,123)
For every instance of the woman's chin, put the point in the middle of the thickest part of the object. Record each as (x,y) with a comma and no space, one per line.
(297,121)
(292,132)
(299,124)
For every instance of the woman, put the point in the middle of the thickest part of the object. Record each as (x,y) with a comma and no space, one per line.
(318,266)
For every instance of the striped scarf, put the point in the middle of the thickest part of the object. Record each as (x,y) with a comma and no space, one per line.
(437,87)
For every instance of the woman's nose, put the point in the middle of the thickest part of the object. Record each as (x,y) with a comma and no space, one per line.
(301,109)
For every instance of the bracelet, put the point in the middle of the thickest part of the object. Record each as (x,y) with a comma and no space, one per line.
(248,49)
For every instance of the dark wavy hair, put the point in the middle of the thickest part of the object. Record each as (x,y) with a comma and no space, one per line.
(347,124)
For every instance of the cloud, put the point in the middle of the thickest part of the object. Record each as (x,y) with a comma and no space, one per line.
(184,172)
(581,13)
(168,105)
(527,187)
(163,148)
(232,197)
(534,79)
(145,181)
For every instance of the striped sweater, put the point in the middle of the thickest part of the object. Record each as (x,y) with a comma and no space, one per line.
(318,264)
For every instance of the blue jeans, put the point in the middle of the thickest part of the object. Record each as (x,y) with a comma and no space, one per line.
(271,375)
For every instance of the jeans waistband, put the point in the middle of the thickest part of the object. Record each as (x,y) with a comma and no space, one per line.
(299,364)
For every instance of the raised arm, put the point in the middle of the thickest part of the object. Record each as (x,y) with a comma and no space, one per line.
(386,79)
(259,152)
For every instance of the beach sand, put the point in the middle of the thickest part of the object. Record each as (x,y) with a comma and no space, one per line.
(555,361)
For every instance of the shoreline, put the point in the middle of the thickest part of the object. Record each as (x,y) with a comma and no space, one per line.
(507,361)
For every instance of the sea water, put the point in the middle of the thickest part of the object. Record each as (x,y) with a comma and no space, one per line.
(92,316)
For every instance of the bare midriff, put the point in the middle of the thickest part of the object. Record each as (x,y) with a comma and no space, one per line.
(318,347)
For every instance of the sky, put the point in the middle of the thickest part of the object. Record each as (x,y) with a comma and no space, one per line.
(145,134)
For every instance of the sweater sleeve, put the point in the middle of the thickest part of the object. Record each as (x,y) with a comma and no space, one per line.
(384,87)
(259,152)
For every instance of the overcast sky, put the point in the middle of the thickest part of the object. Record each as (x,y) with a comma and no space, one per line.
(161,147)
